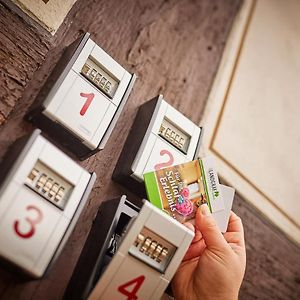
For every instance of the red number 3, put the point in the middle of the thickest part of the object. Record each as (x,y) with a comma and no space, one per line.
(32,222)
(136,282)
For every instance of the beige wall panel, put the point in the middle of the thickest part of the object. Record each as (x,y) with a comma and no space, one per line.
(252,116)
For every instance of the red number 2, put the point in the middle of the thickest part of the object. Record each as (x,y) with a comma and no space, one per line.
(131,295)
(167,163)
(32,222)
(89,98)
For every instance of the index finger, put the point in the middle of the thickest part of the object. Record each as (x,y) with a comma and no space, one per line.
(235,224)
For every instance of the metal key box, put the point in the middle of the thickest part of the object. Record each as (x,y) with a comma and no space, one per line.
(135,258)
(42,194)
(147,258)
(112,218)
(82,98)
(160,137)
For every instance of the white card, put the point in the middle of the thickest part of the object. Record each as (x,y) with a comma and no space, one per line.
(222,216)
(213,189)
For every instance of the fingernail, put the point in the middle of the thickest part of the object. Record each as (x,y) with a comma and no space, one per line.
(205,210)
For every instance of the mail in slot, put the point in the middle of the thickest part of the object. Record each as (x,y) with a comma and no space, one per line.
(83,97)
(160,137)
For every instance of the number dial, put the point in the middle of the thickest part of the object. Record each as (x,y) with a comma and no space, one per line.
(26,228)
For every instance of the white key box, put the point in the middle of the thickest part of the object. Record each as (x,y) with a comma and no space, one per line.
(146,258)
(42,194)
(82,98)
(160,137)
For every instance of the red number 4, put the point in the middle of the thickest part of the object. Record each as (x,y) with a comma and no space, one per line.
(136,283)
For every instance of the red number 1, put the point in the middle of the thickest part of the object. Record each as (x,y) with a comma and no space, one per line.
(131,295)
(89,98)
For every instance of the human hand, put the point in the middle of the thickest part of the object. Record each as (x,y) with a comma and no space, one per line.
(214,265)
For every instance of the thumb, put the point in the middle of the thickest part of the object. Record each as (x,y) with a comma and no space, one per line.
(208,227)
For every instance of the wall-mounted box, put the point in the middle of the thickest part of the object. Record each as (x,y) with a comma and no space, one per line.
(129,251)
(160,137)
(42,194)
(146,259)
(82,98)
(108,226)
